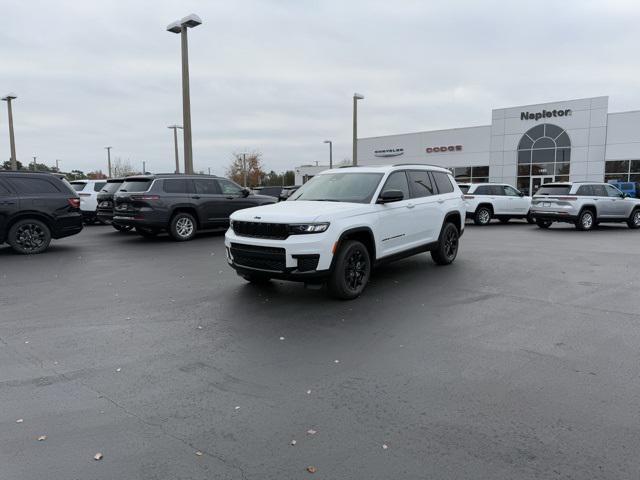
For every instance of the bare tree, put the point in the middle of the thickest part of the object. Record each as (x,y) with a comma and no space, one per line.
(122,168)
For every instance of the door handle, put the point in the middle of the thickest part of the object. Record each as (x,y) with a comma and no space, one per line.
(230,197)
(196,197)
(410,205)
(441,201)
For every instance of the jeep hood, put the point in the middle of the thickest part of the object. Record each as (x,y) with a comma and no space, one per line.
(300,211)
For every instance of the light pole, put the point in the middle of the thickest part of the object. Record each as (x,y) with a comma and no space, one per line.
(7,98)
(181,27)
(57,165)
(356,97)
(330,152)
(108,149)
(34,163)
(244,170)
(144,167)
(175,145)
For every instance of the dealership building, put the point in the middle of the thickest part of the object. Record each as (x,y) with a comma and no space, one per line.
(524,146)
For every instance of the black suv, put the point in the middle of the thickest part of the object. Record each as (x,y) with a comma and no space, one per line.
(106,202)
(36,207)
(180,204)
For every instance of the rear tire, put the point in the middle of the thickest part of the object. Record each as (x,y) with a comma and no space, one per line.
(482,216)
(351,271)
(634,219)
(543,223)
(182,227)
(147,232)
(586,220)
(29,236)
(530,219)
(447,249)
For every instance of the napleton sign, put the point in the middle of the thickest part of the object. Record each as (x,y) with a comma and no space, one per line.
(545,114)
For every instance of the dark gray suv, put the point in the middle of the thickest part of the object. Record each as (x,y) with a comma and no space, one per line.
(180,204)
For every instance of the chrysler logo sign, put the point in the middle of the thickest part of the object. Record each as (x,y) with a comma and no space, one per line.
(389,152)
(545,114)
(444,149)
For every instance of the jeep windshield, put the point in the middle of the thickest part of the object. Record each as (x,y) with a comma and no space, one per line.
(352,187)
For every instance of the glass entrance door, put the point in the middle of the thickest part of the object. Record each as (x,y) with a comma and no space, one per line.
(538,180)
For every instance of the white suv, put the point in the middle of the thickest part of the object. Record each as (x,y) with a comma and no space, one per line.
(585,204)
(344,221)
(88,193)
(485,201)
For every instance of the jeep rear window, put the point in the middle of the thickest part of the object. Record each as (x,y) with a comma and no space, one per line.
(111,187)
(464,188)
(136,185)
(553,190)
(78,186)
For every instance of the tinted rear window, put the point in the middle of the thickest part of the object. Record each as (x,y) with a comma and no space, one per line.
(111,187)
(78,186)
(553,190)
(464,188)
(442,182)
(176,185)
(98,186)
(24,185)
(136,185)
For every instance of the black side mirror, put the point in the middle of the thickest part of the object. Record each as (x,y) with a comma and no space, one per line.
(521,194)
(390,196)
(245,192)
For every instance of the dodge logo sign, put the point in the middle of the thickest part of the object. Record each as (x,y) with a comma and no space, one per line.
(444,149)
(389,152)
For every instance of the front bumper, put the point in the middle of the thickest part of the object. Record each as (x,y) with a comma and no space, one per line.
(305,258)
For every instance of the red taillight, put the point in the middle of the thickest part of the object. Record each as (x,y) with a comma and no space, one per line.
(145,197)
(468,197)
(74,202)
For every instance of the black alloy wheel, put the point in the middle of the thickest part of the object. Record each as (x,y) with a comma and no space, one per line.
(351,271)
(447,249)
(29,236)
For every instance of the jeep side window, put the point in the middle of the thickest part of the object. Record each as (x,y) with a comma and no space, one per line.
(496,190)
(612,191)
(599,191)
(482,190)
(397,181)
(176,185)
(228,187)
(420,183)
(510,191)
(442,182)
(585,191)
(205,186)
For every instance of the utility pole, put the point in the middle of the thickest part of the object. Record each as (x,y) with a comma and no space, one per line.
(34,163)
(356,97)
(175,147)
(108,149)
(144,167)
(244,168)
(209,170)
(7,98)
(57,165)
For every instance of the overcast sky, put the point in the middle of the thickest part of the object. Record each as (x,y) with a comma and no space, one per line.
(278,76)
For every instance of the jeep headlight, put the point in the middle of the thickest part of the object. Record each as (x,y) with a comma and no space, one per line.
(303,228)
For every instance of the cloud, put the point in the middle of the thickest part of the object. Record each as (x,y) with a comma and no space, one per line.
(277,76)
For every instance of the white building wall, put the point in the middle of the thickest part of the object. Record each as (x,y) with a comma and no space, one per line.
(623,136)
(308,171)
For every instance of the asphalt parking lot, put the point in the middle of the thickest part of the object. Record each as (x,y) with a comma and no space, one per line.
(520,360)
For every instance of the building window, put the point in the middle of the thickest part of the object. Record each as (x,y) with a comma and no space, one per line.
(478,174)
(622,170)
(543,151)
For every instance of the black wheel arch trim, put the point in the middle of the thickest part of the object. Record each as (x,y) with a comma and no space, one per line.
(46,219)
(350,231)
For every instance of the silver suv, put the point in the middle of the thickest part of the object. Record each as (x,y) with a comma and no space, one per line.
(584,204)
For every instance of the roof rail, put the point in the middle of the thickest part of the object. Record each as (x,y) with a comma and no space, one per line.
(417,164)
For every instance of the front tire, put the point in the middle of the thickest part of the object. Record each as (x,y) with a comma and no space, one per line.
(482,216)
(634,219)
(447,249)
(586,220)
(182,227)
(29,236)
(351,271)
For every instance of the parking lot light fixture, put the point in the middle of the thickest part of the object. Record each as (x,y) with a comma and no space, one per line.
(181,27)
(330,152)
(356,97)
(108,149)
(175,145)
(12,142)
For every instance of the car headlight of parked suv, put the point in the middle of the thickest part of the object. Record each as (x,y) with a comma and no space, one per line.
(303,228)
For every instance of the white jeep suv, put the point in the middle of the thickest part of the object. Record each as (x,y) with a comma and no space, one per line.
(485,201)
(344,221)
(88,193)
(585,204)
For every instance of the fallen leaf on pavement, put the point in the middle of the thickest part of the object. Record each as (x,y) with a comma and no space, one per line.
(20,420)
(42,438)
(118,369)
(311,469)
(293,442)
(98,456)
(199,453)
(384,446)
(311,431)
(281,338)
(308,392)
